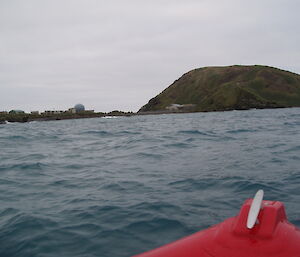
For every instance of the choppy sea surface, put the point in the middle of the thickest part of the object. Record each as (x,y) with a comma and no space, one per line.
(117,187)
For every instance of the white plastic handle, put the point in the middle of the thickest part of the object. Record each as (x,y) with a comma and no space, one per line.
(254,209)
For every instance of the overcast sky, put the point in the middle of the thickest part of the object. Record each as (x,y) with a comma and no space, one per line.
(118,54)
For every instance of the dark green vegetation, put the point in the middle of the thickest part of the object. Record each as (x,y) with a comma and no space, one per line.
(230,88)
(26,117)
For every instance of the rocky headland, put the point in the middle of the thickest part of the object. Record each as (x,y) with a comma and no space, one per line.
(228,88)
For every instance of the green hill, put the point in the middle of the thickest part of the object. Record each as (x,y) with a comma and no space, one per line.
(229,88)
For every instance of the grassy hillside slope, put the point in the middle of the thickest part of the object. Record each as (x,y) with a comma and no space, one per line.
(229,88)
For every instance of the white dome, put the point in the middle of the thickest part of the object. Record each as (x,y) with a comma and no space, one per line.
(79,107)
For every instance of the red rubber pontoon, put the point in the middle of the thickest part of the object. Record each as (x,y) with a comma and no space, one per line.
(260,230)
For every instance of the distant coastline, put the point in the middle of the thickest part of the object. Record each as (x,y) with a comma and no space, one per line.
(28,117)
(76,112)
(23,118)
(207,89)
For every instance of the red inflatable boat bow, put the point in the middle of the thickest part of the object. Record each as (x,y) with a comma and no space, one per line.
(260,230)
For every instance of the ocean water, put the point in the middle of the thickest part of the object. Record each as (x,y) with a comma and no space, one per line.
(117,187)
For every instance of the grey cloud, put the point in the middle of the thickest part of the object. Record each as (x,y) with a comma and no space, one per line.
(117,54)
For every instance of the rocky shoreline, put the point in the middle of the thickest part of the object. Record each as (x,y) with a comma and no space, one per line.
(27,117)
(23,118)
